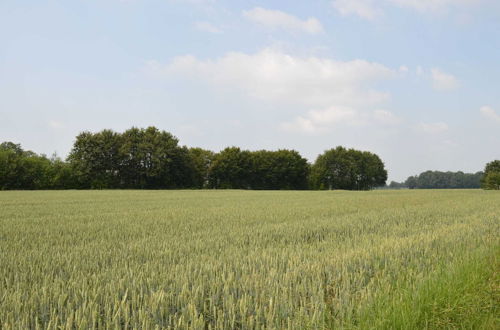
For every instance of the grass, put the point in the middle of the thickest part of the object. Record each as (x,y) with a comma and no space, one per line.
(249,259)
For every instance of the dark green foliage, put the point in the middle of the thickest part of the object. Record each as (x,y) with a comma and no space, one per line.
(231,169)
(138,158)
(234,168)
(21,169)
(348,169)
(152,159)
(491,178)
(282,169)
(444,180)
(95,159)
(201,160)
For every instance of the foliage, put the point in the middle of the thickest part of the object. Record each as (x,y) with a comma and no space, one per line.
(201,160)
(444,180)
(249,260)
(150,159)
(20,169)
(492,176)
(234,168)
(282,169)
(231,169)
(348,169)
(147,158)
(137,158)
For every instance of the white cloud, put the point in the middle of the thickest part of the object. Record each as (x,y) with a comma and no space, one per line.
(319,121)
(341,90)
(362,8)
(385,117)
(322,121)
(433,5)
(433,128)
(490,113)
(282,20)
(274,76)
(372,9)
(443,81)
(207,27)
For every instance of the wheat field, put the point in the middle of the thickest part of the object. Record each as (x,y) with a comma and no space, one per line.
(249,259)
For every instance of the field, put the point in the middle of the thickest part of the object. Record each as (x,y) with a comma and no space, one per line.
(249,259)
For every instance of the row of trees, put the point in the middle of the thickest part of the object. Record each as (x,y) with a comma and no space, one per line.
(20,169)
(489,179)
(444,180)
(153,159)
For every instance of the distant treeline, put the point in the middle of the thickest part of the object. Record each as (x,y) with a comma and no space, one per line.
(152,159)
(442,180)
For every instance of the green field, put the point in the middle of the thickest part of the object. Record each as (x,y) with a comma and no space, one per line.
(249,259)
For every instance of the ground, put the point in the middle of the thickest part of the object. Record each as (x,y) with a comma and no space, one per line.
(250,259)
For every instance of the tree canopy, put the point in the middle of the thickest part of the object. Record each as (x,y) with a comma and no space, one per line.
(349,169)
(137,158)
(444,180)
(491,178)
(20,169)
(149,158)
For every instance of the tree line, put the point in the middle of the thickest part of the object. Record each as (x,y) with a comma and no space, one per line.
(148,158)
(489,179)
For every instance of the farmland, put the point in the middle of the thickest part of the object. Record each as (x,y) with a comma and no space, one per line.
(249,259)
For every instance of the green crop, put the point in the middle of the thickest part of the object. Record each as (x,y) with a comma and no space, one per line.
(249,259)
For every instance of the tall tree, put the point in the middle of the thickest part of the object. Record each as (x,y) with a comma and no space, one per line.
(491,178)
(20,169)
(231,169)
(444,180)
(201,160)
(282,169)
(96,159)
(349,169)
(151,159)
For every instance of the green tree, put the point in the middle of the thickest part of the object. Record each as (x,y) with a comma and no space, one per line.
(282,169)
(201,160)
(231,169)
(96,160)
(491,179)
(153,159)
(348,169)
(21,169)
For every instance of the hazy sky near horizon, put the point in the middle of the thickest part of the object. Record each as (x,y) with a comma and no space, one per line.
(415,81)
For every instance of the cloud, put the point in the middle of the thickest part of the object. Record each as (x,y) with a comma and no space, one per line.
(335,92)
(433,128)
(207,27)
(443,81)
(362,8)
(372,9)
(278,19)
(385,117)
(322,121)
(278,77)
(433,5)
(318,121)
(490,113)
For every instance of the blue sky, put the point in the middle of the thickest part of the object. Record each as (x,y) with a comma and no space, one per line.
(415,81)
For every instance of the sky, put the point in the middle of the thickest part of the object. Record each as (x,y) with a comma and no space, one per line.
(415,81)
